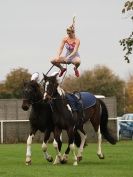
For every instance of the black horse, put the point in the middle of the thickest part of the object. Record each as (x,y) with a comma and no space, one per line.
(66,118)
(40,116)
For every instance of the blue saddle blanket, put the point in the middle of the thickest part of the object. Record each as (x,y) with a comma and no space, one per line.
(81,100)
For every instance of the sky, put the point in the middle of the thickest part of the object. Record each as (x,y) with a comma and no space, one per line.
(31,32)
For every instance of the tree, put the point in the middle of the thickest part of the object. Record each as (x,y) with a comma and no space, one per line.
(99,81)
(13,84)
(129,93)
(127,43)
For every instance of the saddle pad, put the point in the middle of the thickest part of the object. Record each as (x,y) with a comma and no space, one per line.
(82,100)
(88,99)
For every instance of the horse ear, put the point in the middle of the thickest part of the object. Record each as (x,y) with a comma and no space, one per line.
(56,74)
(44,77)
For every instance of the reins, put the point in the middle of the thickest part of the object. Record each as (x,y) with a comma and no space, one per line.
(35,102)
(47,73)
(50,70)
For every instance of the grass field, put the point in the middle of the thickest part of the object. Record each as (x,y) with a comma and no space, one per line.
(118,162)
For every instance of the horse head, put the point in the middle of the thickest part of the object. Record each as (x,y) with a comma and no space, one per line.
(31,94)
(51,87)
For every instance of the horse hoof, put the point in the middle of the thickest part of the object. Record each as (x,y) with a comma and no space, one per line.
(75,164)
(57,160)
(101,156)
(50,159)
(28,163)
(63,161)
(79,158)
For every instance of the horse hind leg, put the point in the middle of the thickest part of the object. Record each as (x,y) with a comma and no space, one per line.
(99,149)
(80,150)
(95,120)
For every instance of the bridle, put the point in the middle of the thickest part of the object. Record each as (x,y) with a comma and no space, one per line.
(51,95)
(32,99)
(33,102)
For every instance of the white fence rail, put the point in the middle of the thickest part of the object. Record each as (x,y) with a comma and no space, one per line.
(7,121)
(118,120)
(18,121)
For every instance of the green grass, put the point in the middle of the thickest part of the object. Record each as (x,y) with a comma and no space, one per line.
(118,162)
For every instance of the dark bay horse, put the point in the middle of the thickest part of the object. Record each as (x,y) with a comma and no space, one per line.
(40,116)
(66,118)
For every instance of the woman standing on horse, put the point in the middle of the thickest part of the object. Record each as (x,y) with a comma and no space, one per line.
(71,43)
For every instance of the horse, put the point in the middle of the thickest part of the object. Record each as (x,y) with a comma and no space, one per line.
(71,120)
(40,117)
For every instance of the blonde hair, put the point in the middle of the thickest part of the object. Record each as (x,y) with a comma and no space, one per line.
(72,27)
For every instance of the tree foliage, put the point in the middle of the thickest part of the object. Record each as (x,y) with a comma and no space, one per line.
(129,95)
(12,86)
(99,81)
(127,43)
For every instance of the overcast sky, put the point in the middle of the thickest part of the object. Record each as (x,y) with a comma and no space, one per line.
(31,31)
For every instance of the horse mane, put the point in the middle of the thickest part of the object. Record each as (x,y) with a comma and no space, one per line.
(54,80)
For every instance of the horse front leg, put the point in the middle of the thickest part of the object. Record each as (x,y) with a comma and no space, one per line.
(28,150)
(99,149)
(48,157)
(65,155)
(70,133)
(57,143)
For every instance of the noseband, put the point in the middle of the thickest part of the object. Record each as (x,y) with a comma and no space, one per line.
(33,102)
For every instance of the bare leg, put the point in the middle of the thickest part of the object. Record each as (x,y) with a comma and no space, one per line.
(76,63)
(57,62)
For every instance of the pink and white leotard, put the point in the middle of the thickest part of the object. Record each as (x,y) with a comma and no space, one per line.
(69,50)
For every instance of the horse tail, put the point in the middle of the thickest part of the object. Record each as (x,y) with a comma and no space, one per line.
(104,124)
(77,138)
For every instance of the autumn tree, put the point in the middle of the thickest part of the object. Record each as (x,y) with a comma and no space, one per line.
(129,93)
(12,86)
(99,81)
(127,43)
